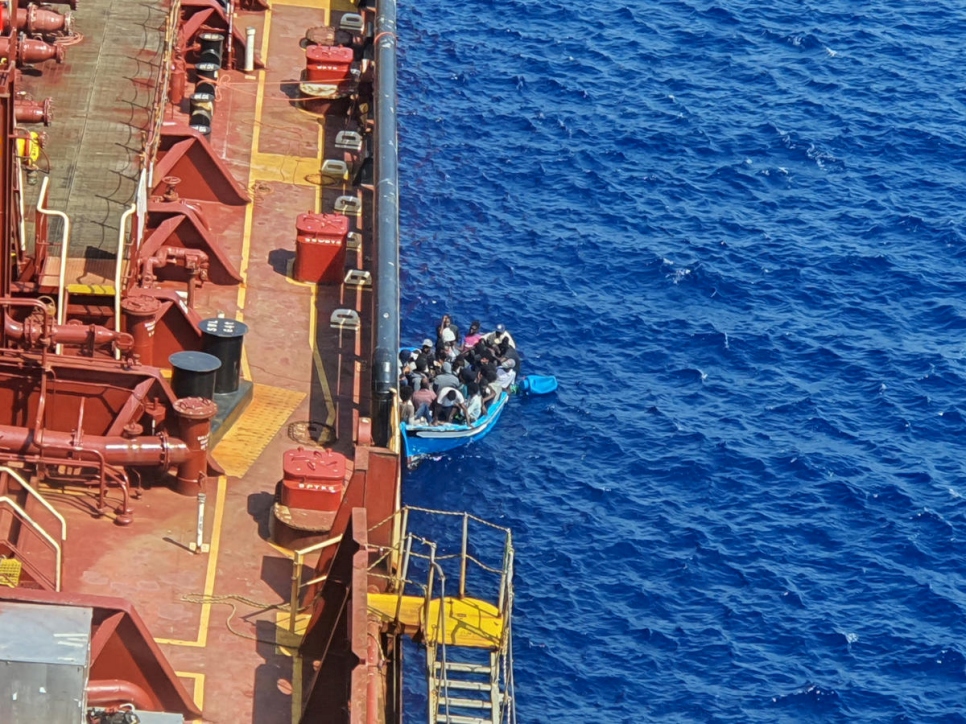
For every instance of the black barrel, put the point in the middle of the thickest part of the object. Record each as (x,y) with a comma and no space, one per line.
(204,90)
(193,374)
(201,112)
(207,70)
(223,338)
(212,45)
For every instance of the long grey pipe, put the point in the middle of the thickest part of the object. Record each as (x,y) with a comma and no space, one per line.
(386,312)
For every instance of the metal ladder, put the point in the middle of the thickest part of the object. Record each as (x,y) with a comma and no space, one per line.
(468,641)
(466,692)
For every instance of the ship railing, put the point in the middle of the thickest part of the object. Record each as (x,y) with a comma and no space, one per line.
(298,585)
(394,561)
(152,140)
(123,242)
(161,90)
(25,558)
(64,247)
(6,470)
(426,568)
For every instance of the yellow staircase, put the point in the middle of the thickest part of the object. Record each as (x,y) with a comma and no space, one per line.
(469,660)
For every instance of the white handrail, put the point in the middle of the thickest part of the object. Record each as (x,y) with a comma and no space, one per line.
(44,534)
(40,499)
(65,240)
(121,243)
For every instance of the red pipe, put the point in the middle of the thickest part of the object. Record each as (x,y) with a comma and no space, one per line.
(28,50)
(115,692)
(27,111)
(196,414)
(72,335)
(191,259)
(38,21)
(140,319)
(146,451)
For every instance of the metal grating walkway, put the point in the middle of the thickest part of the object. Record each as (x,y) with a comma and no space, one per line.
(102,100)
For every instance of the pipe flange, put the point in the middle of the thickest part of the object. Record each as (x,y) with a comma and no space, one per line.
(140,305)
(196,408)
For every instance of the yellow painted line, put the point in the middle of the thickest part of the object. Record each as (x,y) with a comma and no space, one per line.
(202,639)
(246,369)
(283,168)
(198,692)
(241,446)
(317,4)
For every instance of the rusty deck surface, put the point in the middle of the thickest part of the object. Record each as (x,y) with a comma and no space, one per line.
(103,95)
(300,367)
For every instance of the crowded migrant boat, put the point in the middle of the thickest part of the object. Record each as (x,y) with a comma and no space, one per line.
(457,380)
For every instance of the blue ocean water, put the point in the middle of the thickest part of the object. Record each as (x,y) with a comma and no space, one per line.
(734,231)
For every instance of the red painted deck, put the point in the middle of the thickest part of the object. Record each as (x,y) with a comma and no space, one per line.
(304,371)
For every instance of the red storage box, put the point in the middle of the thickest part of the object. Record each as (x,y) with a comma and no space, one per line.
(328,64)
(313,479)
(320,248)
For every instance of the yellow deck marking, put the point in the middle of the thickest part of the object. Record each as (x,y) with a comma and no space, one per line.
(94,290)
(317,4)
(198,691)
(250,208)
(285,169)
(469,622)
(269,410)
(202,639)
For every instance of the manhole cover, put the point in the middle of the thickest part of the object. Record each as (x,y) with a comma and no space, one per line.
(311,433)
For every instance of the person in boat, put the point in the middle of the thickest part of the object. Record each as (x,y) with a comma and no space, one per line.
(407,411)
(506,375)
(448,402)
(405,367)
(474,403)
(445,378)
(418,373)
(423,400)
(449,346)
(473,335)
(426,352)
(492,388)
(508,351)
(446,332)
(499,336)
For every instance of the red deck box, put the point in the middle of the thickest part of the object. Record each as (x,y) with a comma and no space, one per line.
(320,248)
(328,64)
(313,479)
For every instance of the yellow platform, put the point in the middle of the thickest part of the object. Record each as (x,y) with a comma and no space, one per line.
(469,622)
(10,572)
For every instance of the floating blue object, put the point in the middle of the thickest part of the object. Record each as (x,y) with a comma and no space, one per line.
(538,384)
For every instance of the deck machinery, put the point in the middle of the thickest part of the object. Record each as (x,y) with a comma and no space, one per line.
(200,512)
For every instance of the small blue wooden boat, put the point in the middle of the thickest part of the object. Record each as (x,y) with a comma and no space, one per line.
(420,441)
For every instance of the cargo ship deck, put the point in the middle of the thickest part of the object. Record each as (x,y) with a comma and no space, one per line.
(219,614)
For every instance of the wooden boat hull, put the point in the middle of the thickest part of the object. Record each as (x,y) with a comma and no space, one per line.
(420,441)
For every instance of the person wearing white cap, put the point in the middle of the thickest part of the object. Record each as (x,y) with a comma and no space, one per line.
(446,332)
(498,337)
